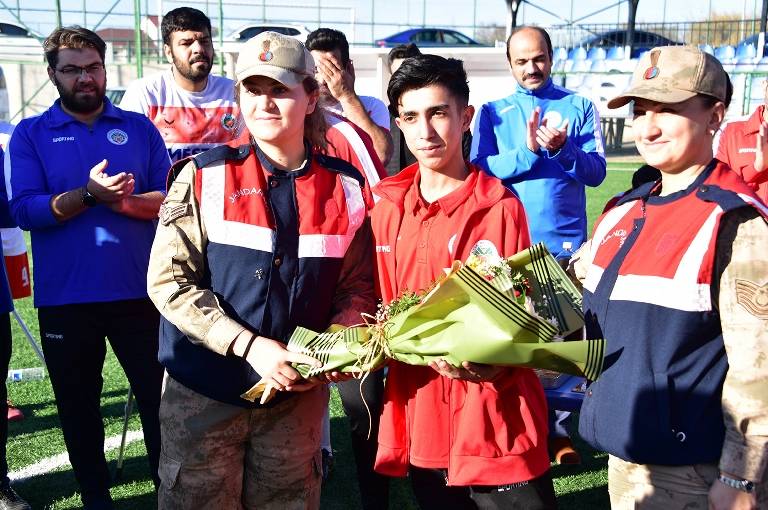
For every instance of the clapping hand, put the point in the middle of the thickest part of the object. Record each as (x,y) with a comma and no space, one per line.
(106,188)
(541,136)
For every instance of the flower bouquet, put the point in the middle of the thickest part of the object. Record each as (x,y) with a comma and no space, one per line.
(488,310)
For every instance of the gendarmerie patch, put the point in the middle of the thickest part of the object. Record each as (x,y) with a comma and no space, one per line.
(753,297)
(169,213)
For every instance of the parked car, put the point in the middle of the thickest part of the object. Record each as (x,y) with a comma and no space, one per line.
(426,37)
(17,43)
(246,32)
(642,41)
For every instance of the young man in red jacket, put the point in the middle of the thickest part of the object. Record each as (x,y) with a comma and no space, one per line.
(473,436)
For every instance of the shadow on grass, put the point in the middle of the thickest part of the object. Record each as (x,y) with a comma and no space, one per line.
(59,489)
(340,491)
(594,498)
(33,423)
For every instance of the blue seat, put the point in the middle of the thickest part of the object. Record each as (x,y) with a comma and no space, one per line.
(725,53)
(598,66)
(577,54)
(706,48)
(596,54)
(581,66)
(560,54)
(746,51)
(615,53)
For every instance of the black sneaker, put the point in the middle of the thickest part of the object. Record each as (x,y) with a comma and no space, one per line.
(9,500)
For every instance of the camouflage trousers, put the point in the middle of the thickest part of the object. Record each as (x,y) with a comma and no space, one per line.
(651,487)
(218,456)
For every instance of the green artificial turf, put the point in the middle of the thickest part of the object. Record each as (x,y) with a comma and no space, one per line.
(38,436)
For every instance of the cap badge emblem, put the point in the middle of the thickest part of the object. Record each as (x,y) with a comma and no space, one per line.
(653,71)
(266,55)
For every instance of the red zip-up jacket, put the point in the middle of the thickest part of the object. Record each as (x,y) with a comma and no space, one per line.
(736,148)
(496,431)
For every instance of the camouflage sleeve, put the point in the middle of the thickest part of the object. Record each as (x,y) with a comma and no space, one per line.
(177,266)
(743,303)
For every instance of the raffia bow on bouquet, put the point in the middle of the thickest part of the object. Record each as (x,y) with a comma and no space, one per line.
(499,312)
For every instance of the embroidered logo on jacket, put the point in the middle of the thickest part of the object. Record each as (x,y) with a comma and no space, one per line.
(244,193)
(63,139)
(117,136)
(228,121)
(619,233)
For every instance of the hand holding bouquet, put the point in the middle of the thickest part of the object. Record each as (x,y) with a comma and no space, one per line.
(490,310)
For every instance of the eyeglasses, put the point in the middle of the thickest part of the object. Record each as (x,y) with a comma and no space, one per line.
(74,71)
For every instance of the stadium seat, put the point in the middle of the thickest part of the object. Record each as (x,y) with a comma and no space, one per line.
(577,54)
(598,66)
(581,66)
(560,54)
(725,53)
(706,48)
(746,51)
(744,64)
(596,54)
(615,53)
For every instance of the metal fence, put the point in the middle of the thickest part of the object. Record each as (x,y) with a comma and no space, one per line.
(363,21)
(715,33)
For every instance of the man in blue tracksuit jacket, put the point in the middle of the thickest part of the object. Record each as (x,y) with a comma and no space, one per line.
(545,143)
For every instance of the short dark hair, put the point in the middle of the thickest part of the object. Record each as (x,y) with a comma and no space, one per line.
(182,19)
(75,37)
(402,51)
(425,70)
(541,32)
(328,39)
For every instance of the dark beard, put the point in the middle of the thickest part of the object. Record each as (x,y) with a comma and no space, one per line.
(83,104)
(195,76)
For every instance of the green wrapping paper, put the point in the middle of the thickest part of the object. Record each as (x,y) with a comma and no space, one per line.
(466,317)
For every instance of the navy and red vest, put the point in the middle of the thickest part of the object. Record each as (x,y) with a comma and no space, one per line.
(276,242)
(649,293)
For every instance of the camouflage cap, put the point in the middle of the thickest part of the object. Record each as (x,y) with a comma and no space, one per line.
(671,74)
(275,56)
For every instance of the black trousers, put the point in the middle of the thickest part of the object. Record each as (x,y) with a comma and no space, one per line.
(6,341)
(374,488)
(74,347)
(432,493)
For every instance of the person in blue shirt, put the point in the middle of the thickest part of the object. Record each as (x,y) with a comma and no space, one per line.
(9,499)
(87,179)
(545,143)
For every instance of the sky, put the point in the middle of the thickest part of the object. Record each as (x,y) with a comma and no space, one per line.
(354,16)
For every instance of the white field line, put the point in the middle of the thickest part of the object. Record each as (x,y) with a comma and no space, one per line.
(49,464)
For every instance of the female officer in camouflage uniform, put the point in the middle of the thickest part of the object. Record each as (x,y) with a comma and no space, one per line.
(254,241)
(677,287)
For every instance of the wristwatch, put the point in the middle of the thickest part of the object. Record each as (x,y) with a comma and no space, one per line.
(742,485)
(88,199)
